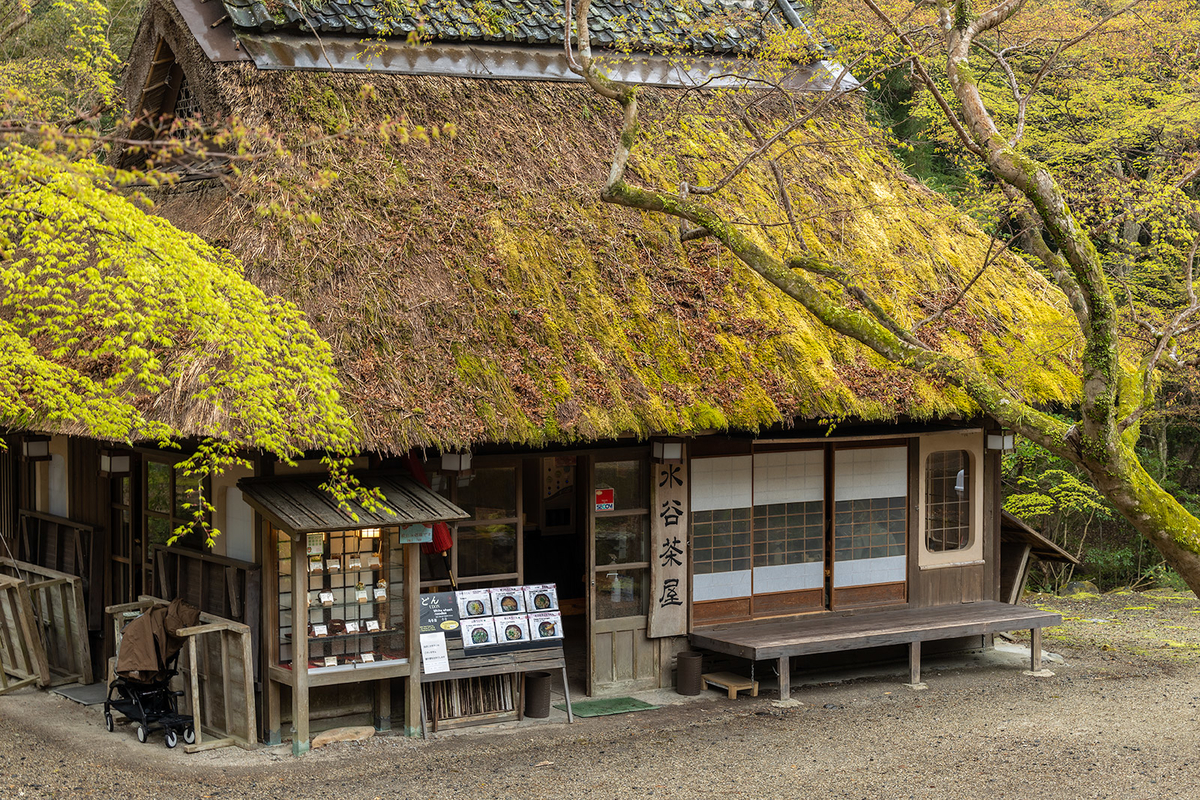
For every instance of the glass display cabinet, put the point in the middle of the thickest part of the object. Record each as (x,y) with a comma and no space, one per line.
(349,603)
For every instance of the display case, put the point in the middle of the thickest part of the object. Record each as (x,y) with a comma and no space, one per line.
(349,602)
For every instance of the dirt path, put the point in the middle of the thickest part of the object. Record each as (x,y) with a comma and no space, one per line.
(1121,719)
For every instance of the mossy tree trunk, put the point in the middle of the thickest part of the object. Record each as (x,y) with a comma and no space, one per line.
(1113,396)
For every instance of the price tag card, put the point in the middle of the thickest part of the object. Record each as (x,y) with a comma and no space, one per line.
(354,562)
(541,597)
(508,600)
(372,625)
(380,594)
(326,598)
(320,630)
(434,657)
(316,564)
(545,625)
(362,595)
(352,627)
(333,564)
(331,661)
(367,658)
(373,561)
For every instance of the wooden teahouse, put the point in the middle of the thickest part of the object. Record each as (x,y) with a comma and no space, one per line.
(690,460)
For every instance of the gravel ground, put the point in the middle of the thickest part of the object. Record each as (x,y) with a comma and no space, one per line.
(1118,720)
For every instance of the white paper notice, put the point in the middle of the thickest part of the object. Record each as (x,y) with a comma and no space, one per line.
(434,657)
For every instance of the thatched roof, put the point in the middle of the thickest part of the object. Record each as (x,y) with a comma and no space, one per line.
(476,290)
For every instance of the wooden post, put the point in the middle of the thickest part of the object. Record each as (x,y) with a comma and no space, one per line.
(412,631)
(1035,649)
(227,719)
(785,677)
(300,738)
(193,643)
(914,663)
(248,677)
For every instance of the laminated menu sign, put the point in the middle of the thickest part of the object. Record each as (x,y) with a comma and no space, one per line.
(541,597)
(545,625)
(474,603)
(439,612)
(478,632)
(512,629)
(508,600)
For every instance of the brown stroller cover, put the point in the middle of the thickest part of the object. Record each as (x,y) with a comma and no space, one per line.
(151,641)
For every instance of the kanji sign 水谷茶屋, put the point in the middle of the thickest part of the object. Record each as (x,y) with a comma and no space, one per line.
(668,551)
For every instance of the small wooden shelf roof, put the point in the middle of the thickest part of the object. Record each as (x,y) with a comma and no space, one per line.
(297,503)
(1013,529)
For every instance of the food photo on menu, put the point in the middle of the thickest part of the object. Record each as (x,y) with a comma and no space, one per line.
(512,629)
(478,632)
(508,600)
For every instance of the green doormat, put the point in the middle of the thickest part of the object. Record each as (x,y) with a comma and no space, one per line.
(609,705)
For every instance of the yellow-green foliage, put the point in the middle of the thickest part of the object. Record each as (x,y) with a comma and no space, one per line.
(478,290)
(118,326)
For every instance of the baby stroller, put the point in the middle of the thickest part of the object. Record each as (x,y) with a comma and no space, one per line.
(146,661)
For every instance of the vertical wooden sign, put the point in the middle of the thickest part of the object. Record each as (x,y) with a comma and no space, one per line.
(668,549)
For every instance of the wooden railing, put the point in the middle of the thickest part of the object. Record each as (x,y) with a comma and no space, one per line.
(218,675)
(56,602)
(22,660)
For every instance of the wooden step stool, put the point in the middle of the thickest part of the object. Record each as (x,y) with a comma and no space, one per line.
(731,683)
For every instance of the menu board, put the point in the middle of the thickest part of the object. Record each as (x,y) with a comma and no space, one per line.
(439,614)
(492,620)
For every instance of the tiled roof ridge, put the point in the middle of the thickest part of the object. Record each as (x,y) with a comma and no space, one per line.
(735,27)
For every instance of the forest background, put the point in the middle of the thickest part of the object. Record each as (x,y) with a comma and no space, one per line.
(1117,116)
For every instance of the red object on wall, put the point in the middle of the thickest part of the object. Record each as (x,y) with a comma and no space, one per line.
(442,540)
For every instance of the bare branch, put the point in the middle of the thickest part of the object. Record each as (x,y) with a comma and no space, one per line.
(919,68)
(992,255)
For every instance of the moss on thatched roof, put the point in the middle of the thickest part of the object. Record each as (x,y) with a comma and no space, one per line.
(476,290)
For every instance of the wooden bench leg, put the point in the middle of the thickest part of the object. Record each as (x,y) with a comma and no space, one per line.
(567,695)
(1035,649)
(785,677)
(914,663)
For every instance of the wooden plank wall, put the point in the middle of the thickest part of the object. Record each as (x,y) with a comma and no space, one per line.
(218,585)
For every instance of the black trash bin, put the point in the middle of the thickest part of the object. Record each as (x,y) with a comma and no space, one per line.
(537,694)
(687,672)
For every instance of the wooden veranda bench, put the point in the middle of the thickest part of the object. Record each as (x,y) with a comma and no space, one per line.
(784,640)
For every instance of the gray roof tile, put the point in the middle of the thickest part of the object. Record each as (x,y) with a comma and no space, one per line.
(728,26)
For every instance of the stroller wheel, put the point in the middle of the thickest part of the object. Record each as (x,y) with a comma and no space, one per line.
(172,738)
(141,733)
(189,735)
(108,722)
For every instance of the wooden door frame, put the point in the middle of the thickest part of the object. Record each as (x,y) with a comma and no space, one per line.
(618,624)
